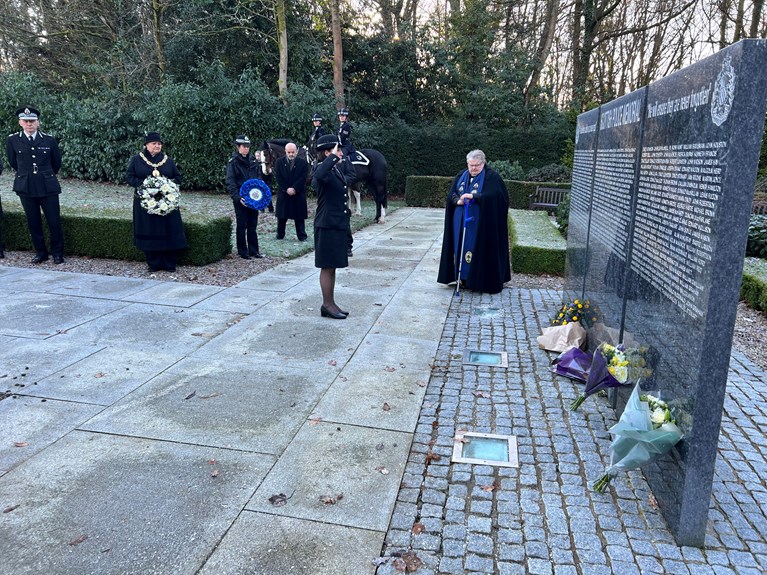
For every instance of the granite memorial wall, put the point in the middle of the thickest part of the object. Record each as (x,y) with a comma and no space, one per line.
(663,183)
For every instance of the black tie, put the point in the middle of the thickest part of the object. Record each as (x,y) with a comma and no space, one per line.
(31,140)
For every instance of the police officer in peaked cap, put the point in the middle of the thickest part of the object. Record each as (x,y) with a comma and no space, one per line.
(36,158)
(345,133)
(317,132)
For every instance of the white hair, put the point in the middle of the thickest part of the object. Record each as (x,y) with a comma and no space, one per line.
(476,155)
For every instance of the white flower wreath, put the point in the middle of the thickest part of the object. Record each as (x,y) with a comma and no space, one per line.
(159,196)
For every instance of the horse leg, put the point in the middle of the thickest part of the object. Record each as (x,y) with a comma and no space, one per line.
(358,212)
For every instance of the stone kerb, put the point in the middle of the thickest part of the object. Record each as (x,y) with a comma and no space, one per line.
(662,190)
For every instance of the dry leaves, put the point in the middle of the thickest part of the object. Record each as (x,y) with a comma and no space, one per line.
(484,394)
(78,540)
(279,499)
(20,444)
(490,488)
(382,470)
(386,407)
(431,456)
(652,501)
(418,528)
(408,562)
(315,420)
(9,509)
(330,499)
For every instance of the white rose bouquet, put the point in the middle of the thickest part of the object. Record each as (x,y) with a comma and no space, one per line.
(159,196)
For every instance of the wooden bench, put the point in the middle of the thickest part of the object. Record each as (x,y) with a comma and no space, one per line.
(546,198)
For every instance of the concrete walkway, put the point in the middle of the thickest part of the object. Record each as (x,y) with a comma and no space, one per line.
(178,429)
(172,428)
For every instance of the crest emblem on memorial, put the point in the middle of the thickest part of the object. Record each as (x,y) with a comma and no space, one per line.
(724,92)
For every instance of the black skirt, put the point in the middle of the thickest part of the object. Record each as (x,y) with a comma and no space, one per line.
(330,248)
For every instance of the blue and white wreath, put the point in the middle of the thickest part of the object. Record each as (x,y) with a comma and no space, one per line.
(256,194)
(158,195)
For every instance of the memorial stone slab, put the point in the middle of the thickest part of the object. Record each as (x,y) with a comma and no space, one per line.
(671,194)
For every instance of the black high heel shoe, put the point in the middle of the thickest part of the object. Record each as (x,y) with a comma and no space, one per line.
(325,312)
(346,313)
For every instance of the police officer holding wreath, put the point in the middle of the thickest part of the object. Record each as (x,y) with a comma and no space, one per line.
(36,158)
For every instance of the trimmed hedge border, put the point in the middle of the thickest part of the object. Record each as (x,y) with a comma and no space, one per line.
(535,245)
(431,191)
(753,288)
(112,237)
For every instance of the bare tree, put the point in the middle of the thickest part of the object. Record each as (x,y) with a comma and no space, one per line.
(338,53)
(282,38)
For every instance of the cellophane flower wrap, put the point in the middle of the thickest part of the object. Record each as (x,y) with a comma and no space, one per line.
(159,196)
(613,366)
(574,364)
(645,431)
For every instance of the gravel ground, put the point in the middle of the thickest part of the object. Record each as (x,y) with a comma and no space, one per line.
(750,325)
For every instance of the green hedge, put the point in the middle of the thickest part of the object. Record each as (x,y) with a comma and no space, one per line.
(536,247)
(431,191)
(753,289)
(112,237)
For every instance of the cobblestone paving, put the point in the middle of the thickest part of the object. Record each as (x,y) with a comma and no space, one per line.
(543,518)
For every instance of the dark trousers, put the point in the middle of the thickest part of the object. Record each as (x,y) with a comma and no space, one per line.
(300,228)
(161,259)
(245,229)
(50,207)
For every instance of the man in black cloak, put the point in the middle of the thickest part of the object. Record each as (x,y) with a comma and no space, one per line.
(476,228)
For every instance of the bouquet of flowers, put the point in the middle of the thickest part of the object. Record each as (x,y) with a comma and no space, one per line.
(576,310)
(574,364)
(646,431)
(158,195)
(613,366)
(255,193)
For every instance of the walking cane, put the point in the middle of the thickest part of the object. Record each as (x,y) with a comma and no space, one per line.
(466,219)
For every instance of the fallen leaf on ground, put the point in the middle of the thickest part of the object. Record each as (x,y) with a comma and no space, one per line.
(378,561)
(421,383)
(652,501)
(380,447)
(315,420)
(431,456)
(211,461)
(214,473)
(20,444)
(382,470)
(330,500)
(490,488)
(214,394)
(332,362)
(191,395)
(484,394)
(278,500)
(78,540)
(100,374)
(386,407)
(9,509)
(418,528)
(390,369)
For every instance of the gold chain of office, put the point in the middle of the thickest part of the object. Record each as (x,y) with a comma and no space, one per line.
(155,172)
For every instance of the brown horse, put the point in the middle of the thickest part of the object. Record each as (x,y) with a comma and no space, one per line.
(372,170)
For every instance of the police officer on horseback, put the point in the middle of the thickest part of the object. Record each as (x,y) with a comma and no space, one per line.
(345,133)
(317,132)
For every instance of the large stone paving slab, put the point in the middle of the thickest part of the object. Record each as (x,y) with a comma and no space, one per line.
(237,300)
(283,277)
(100,504)
(97,286)
(41,315)
(23,362)
(380,352)
(175,294)
(158,328)
(308,342)
(389,398)
(293,546)
(246,405)
(358,467)
(415,314)
(104,377)
(28,425)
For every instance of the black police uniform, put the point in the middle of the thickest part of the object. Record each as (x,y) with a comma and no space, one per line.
(316,134)
(239,170)
(36,163)
(2,253)
(345,135)
(331,219)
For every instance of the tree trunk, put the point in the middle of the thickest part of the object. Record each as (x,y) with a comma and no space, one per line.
(544,47)
(282,39)
(756,15)
(724,7)
(157,12)
(338,53)
(576,50)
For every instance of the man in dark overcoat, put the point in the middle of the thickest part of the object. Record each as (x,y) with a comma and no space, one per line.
(36,158)
(291,174)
